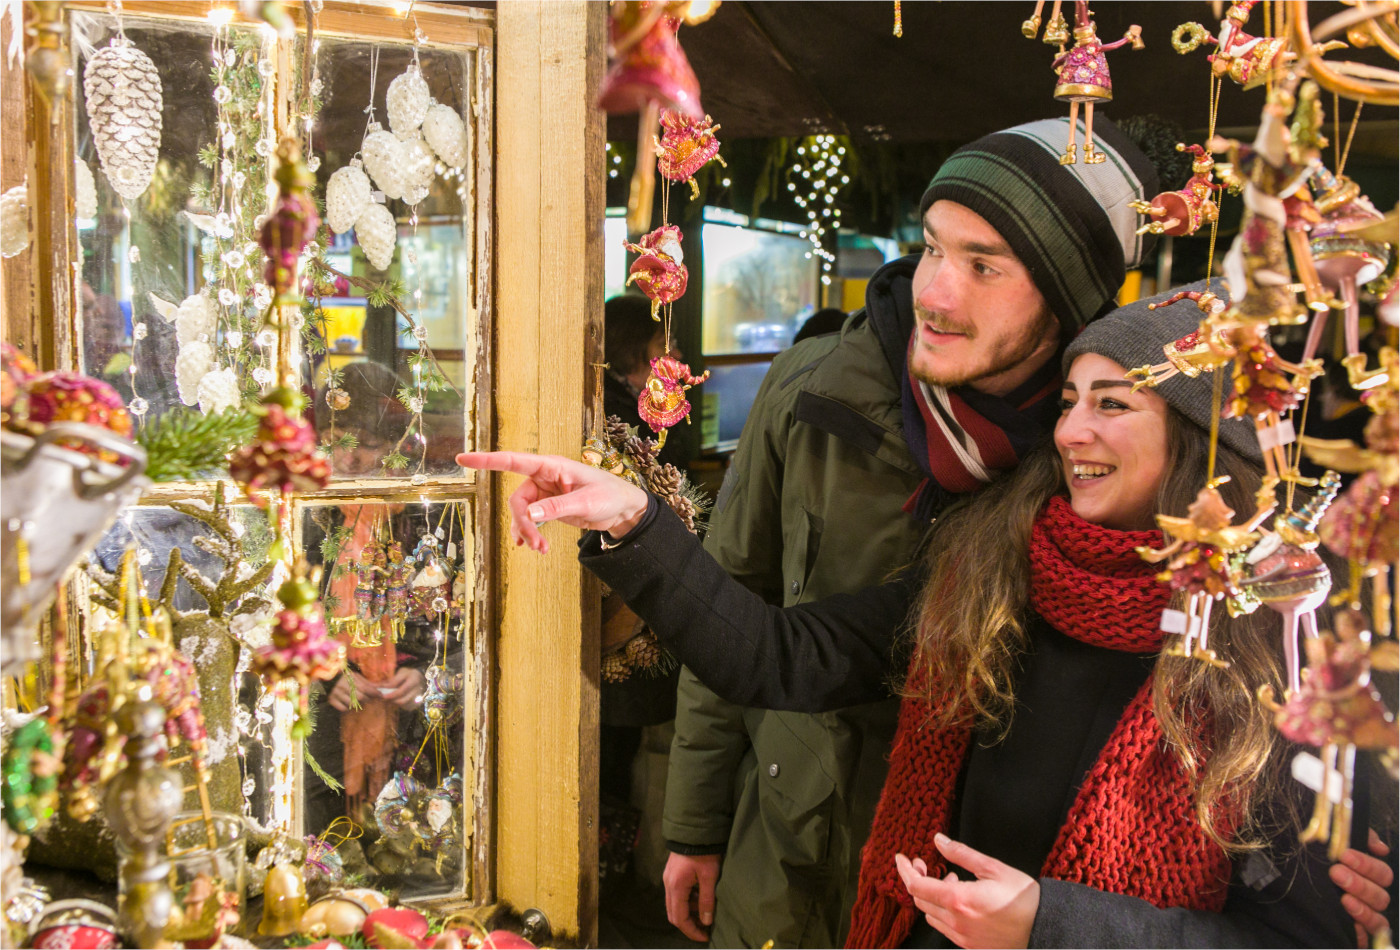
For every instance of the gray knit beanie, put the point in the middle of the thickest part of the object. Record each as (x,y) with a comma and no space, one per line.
(1070,225)
(1134,336)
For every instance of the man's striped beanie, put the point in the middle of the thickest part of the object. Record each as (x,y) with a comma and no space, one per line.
(1070,225)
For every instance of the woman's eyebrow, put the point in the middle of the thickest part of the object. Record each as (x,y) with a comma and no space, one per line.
(1108,383)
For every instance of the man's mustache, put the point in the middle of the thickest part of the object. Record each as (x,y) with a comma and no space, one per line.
(939,322)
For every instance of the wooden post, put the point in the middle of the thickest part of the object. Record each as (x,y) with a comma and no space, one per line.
(548,324)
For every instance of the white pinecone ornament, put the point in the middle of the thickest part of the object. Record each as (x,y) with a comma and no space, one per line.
(195,361)
(14,221)
(124,102)
(377,232)
(194,320)
(218,391)
(407,101)
(347,193)
(383,160)
(418,162)
(84,190)
(447,135)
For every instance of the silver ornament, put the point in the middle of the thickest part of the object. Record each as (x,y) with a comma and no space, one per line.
(407,101)
(84,190)
(377,233)
(124,100)
(447,134)
(193,363)
(347,193)
(14,221)
(383,160)
(417,168)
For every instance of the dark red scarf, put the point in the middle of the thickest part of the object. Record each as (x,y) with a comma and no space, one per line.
(1132,828)
(963,438)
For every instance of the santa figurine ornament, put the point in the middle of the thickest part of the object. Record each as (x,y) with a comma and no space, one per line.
(1183,212)
(1083,72)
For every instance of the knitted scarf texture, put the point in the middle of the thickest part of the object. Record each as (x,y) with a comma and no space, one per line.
(1132,827)
(963,438)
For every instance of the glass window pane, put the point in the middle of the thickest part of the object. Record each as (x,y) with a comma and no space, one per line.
(759,288)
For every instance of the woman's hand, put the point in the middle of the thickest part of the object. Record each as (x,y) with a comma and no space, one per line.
(560,489)
(1365,881)
(404,688)
(351,684)
(996,910)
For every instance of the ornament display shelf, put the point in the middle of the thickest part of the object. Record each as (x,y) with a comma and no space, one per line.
(55,503)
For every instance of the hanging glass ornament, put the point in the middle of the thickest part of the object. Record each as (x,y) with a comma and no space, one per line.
(84,190)
(447,135)
(124,101)
(377,233)
(418,161)
(383,160)
(407,101)
(14,221)
(194,361)
(347,193)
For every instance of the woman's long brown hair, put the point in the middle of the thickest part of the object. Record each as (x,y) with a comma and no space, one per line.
(971,629)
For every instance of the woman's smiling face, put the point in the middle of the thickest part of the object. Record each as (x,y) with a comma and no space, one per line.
(1112,444)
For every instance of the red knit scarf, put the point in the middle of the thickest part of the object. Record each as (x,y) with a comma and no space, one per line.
(1132,828)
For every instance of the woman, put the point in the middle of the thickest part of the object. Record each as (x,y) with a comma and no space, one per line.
(1134,797)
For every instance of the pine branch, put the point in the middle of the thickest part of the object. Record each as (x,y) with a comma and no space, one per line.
(187,444)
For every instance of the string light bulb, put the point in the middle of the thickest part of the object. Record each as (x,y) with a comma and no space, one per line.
(820,181)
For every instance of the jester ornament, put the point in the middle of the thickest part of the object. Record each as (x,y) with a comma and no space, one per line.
(1183,212)
(659,270)
(1198,559)
(1248,60)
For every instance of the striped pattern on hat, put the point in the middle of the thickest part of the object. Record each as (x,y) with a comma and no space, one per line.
(1070,225)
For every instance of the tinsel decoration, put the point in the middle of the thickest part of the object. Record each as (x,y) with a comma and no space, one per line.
(14,221)
(124,101)
(283,457)
(291,225)
(383,160)
(377,232)
(407,101)
(347,195)
(446,134)
(84,190)
(301,651)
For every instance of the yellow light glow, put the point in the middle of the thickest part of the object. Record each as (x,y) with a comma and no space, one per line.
(700,10)
(221,16)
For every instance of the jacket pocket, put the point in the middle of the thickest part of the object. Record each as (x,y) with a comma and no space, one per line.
(801,547)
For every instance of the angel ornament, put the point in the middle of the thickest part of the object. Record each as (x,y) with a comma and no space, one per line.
(1083,72)
(1198,561)
(1339,710)
(1183,212)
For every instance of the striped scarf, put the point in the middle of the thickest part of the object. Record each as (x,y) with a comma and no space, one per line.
(963,438)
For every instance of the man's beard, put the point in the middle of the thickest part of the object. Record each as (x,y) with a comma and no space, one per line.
(1010,353)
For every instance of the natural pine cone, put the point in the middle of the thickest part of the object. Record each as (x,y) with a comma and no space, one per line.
(665,480)
(616,667)
(643,652)
(616,431)
(641,451)
(684,509)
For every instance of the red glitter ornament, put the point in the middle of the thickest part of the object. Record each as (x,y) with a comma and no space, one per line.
(301,650)
(662,402)
(291,225)
(658,270)
(284,456)
(685,146)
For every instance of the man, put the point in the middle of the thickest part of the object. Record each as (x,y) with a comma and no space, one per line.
(944,380)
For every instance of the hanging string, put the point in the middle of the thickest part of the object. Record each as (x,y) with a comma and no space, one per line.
(1214,422)
(373,88)
(1351,133)
(1297,452)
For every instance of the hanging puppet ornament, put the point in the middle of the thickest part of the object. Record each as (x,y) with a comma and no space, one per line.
(685,147)
(1056,31)
(1248,60)
(659,270)
(1285,574)
(122,91)
(1083,72)
(1198,562)
(1344,260)
(662,401)
(370,570)
(397,578)
(1193,354)
(1339,710)
(1183,212)
(1362,525)
(301,651)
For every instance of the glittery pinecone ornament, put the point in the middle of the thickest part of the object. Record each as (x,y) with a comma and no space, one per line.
(418,164)
(124,101)
(446,133)
(383,160)
(291,225)
(665,480)
(301,650)
(194,362)
(347,195)
(407,101)
(14,221)
(219,391)
(283,456)
(84,190)
(377,232)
